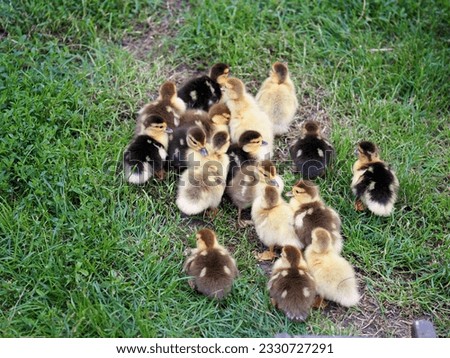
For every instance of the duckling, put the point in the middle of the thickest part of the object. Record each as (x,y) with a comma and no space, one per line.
(202,92)
(244,152)
(374,182)
(145,156)
(186,143)
(200,118)
(334,276)
(219,114)
(291,287)
(274,221)
(312,153)
(278,99)
(311,212)
(245,184)
(167,105)
(202,185)
(246,115)
(211,266)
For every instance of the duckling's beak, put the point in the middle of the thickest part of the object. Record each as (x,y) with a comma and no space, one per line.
(264,142)
(356,152)
(274,183)
(169,130)
(204,152)
(289,194)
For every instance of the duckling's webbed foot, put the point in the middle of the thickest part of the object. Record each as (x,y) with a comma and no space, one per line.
(160,174)
(319,302)
(268,255)
(211,213)
(243,223)
(359,206)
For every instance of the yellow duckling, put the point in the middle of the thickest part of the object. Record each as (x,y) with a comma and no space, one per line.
(278,99)
(334,276)
(202,185)
(246,115)
(274,221)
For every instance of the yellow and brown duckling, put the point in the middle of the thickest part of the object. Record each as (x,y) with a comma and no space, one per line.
(247,182)
(146,154)
(312,152)
(211,266)
(184,146)
(202,92)
(274,221)
(246,115)
(374,182)
(334,276)
(311,212)
(292,289)
(168,106)
(203,183)
(278,99)
(219,114)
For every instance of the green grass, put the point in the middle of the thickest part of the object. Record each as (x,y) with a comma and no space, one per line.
(82,254)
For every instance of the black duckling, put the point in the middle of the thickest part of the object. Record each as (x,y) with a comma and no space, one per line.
(146,154)
(374,182)
(244,152)
(202,92)
(311,153)
(186,142)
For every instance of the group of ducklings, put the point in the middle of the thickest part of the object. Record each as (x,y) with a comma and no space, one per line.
(220,139)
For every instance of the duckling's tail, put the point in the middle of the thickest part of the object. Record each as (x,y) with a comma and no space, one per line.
(138,175)
(347,292)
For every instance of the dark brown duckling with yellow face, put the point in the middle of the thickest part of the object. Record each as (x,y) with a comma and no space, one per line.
(211,266)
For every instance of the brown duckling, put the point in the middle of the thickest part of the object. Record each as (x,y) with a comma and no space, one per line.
(167,105)
(211,266)
(246,184)
(291,287)
(311,212)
